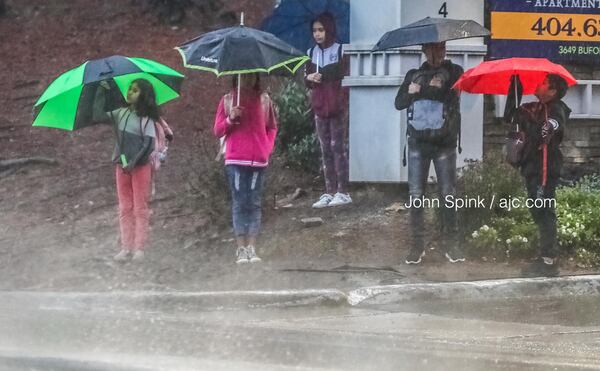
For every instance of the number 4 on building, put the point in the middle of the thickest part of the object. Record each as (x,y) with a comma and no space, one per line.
(443,10)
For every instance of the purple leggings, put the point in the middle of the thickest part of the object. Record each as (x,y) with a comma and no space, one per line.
(332,137)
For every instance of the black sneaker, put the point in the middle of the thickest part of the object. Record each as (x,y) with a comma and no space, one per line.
(414,256)
(455,255)
(541,267)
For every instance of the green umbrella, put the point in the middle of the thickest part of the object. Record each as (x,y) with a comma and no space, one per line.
(68,102)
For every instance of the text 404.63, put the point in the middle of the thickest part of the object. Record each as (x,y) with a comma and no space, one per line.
(575,27)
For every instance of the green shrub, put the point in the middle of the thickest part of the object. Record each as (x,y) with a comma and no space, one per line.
(589,183)
(497,232)
(295,115)
(578,214)
(489,179)
(587,259)
(305,154)
(485,242)
(296,138)
(511,234)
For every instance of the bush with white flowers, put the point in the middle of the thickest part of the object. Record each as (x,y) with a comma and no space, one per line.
(504,234)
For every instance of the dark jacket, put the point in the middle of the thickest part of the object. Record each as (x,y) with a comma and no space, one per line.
(531,117)
(450,73)
(328,98)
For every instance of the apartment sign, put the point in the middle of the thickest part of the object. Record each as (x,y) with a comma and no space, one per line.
(560,30)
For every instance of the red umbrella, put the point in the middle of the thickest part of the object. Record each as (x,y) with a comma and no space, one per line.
(493,77)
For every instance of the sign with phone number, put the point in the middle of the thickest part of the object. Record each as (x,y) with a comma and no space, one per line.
(560,30)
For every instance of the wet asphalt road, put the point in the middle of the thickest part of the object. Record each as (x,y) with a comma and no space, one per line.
(525,334)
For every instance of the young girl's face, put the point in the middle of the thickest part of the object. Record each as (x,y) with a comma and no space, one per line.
(133,94)
(318,32)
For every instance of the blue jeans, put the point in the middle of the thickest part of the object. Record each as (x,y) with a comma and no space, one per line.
(420,156)
(246,185)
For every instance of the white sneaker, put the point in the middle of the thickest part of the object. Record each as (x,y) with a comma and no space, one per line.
(138,256)
(324,201)
(121,256)
(241,255)
(251,253)
(340,199)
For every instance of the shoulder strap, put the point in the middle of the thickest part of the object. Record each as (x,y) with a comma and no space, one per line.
(228,103)
(459,137)
(311,51)
(459,127)
(121,116)
(123,131)
(264,101)
(143,129)
(405,143)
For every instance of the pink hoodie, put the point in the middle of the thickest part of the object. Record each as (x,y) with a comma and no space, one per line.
(249,142)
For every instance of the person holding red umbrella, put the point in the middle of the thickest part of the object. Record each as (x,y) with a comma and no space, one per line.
(540,126)
(543,123)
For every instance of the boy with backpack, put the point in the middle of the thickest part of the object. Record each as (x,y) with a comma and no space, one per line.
(433,127)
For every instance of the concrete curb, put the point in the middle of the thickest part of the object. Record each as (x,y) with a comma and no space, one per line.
(178,300)
(477,290)
(375,295)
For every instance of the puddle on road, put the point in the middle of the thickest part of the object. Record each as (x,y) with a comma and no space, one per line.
(567,311)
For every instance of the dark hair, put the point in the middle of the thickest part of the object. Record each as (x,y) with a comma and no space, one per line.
(556,82)
(146,104)
(257,86)
(328,21)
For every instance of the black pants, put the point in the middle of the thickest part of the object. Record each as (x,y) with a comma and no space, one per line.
(544,215)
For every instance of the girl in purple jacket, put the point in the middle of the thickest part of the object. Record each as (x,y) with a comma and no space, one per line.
(324,77)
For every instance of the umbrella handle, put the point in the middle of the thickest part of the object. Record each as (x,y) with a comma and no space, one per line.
(516,100)
(545,154)
(239,88)
(318,61)
(544,164)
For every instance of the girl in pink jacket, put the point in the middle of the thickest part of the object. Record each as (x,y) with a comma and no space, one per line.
(249,130)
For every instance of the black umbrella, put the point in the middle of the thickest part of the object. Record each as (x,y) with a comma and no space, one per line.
(241,49)
(430,30)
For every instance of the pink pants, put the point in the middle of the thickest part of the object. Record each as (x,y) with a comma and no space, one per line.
(133,190)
